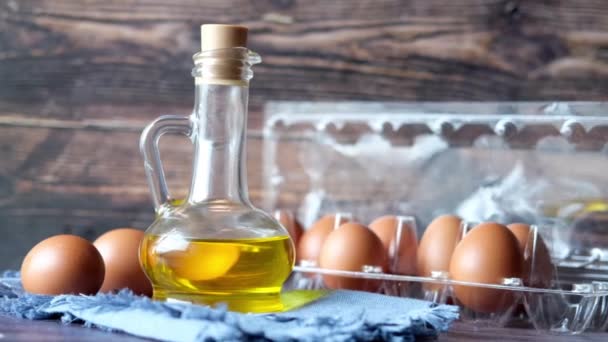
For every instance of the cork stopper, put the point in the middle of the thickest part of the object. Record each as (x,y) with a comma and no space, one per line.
(215,36)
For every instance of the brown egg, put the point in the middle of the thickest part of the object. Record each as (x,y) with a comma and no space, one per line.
(312,240)
(437,244)
(349,248)
(119,249)
(294,228)
(487,254)
(62,264)
(538,268)
(403,260)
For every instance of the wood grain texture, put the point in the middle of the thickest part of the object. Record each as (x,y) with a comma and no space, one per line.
(12,329)
(78,81)
(126,59)
(15,329)
(84,179)
(462,332)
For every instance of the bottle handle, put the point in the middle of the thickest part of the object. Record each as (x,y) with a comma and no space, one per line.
(148,146)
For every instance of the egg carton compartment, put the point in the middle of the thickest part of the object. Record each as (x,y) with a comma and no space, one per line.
(570,309)
(538,299)
(538,163)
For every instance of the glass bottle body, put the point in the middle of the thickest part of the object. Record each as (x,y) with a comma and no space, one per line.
(216,252)
(215,246)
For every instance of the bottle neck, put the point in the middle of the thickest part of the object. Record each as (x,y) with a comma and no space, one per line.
(219,118)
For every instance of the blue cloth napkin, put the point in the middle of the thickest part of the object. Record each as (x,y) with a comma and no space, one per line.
(339,316)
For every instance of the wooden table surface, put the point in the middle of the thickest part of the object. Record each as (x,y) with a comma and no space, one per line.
(13,329)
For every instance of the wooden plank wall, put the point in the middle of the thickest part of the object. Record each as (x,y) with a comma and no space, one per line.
(79,79)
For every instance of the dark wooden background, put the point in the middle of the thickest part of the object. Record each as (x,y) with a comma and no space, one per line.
(79,80)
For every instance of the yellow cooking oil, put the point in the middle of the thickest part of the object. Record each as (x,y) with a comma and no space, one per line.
(245,274)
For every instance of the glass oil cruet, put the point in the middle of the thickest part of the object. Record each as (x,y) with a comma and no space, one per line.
(215,247)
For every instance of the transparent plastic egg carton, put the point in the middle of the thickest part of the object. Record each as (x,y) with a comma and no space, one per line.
(545,164)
